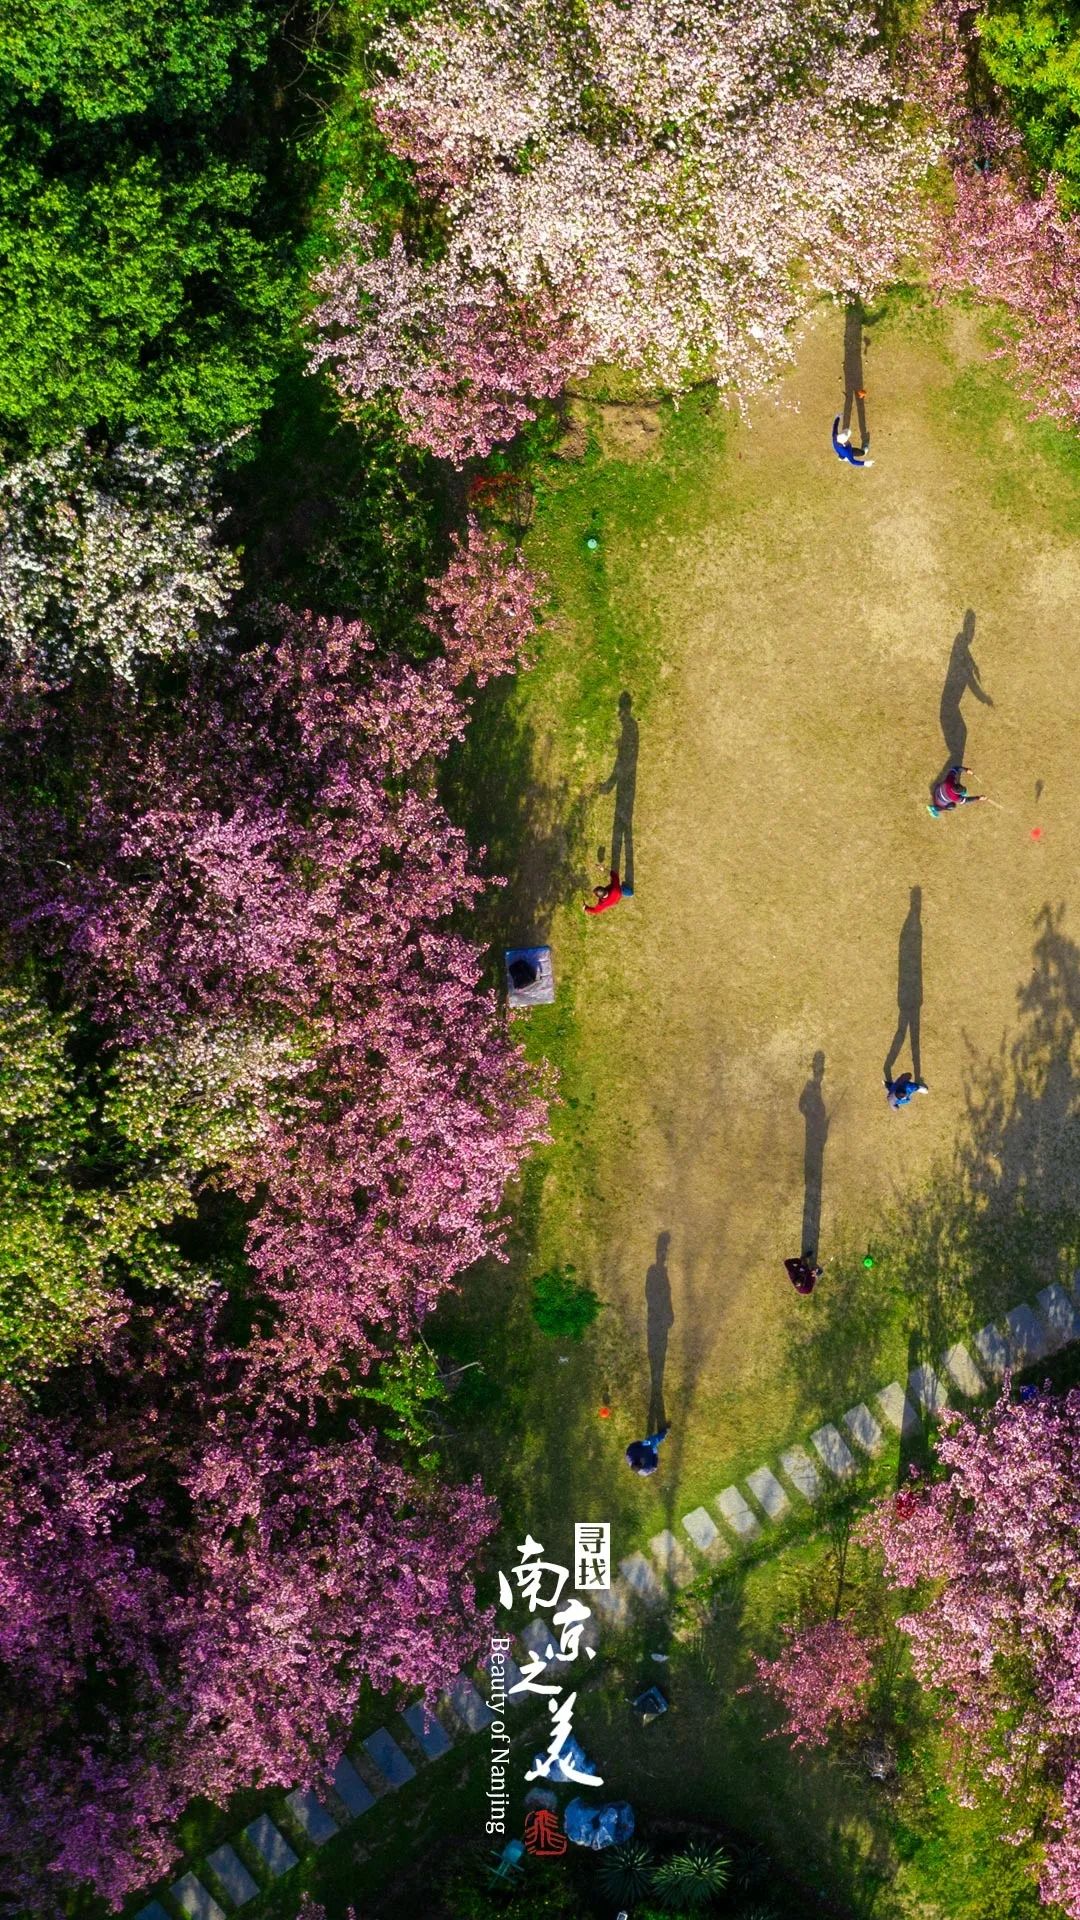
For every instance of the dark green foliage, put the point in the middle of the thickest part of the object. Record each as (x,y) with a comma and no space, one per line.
(626,1872)
(563,1306)
(148,214)
(1033,51)
(691,1880)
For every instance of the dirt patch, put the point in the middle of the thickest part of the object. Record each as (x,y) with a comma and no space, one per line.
(628,433)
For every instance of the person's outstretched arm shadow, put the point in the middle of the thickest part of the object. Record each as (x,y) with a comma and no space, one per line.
(622,780)
(812,1108)
(909,989)
(659,1320)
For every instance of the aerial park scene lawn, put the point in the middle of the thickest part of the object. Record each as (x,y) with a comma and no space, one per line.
(540,1017)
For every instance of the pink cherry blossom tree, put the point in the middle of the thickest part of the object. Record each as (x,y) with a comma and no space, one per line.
(667,186)
(820,1679)
(989,1555)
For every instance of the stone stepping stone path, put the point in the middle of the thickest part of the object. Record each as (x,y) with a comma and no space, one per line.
(641,1578)
(834,1451)
(740,1517)
(705,1534)
(537,1638)
(768,1492)
(153,1910)
(466,1703)
(802,1473)
(233,1875)
(193,1899)
(897,1409)
(962,1371)
(927,1391)
(355,1794)
(613,1603)
(394,1765)
(511,1672)
(1027,1336)
(863,1428)
(672,1560)
(1061,1314)
(271,1846)
(430,1734)
(992,1350)
(309,1813)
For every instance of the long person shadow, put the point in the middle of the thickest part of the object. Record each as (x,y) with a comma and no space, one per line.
(622,781)
(816,1122)
(962,677)
(659,1320)
(855,320)
(909,989)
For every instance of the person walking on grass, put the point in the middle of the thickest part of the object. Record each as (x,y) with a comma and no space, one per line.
(843,449)
(608,896)
(802,1272)
(950,792)
(643,1456)
(901,1092)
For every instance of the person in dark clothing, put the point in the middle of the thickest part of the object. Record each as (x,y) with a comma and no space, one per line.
(643,1456)
(950,792)
(802,1273)
(843,449)
(899,1093)
(608,896)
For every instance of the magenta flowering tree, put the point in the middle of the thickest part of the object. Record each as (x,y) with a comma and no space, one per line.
(282,858)
(820,1679)
(989,1555)
(667,186)
(201,1620)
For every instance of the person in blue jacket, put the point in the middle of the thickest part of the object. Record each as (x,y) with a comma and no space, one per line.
(843,449)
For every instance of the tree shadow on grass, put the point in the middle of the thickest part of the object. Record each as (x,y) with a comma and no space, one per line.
(989,1227)
(532,829)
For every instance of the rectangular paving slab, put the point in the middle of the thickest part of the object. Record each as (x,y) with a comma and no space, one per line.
(672,1560)
(958,1364)
(537,1638)
(802,1472)
(194,1899)
(233,1875)
(1026,1335)
(430,1734)
(510,1673)
(897,1409)
(740,1517)
(153,1910)
(1062,1315)
(705,1534)
(768,1492)
(394,1766)
(928,1392)
(863,1428)
(834,1451)
(355,1794)
(308,1812)
(271,1846)
(641,1576)
(473,1712)
(992,1350)
(612,1603)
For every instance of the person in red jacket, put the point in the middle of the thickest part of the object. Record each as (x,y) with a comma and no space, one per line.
(803,1273)
(608,896)
(950,792)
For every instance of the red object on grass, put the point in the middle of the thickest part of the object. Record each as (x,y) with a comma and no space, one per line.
(1036,833)
(605,1413)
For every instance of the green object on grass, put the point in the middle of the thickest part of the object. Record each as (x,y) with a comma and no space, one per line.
(563,1306)
(868,1260)
(592,543)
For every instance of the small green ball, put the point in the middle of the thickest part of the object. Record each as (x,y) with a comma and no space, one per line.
(868,1260)
(592,543)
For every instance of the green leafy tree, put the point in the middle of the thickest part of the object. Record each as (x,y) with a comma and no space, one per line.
(563,1306)
(1032,50)
(626,1872)
(102,58)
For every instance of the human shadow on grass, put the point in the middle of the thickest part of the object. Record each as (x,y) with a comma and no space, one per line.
(659,1320)
(816,1125)
(993,1222)
(855,320)
(909,989)
(622,781)
(962,677)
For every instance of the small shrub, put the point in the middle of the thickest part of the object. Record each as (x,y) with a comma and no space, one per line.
(690,1881)
(626,1873)
(563,1306)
